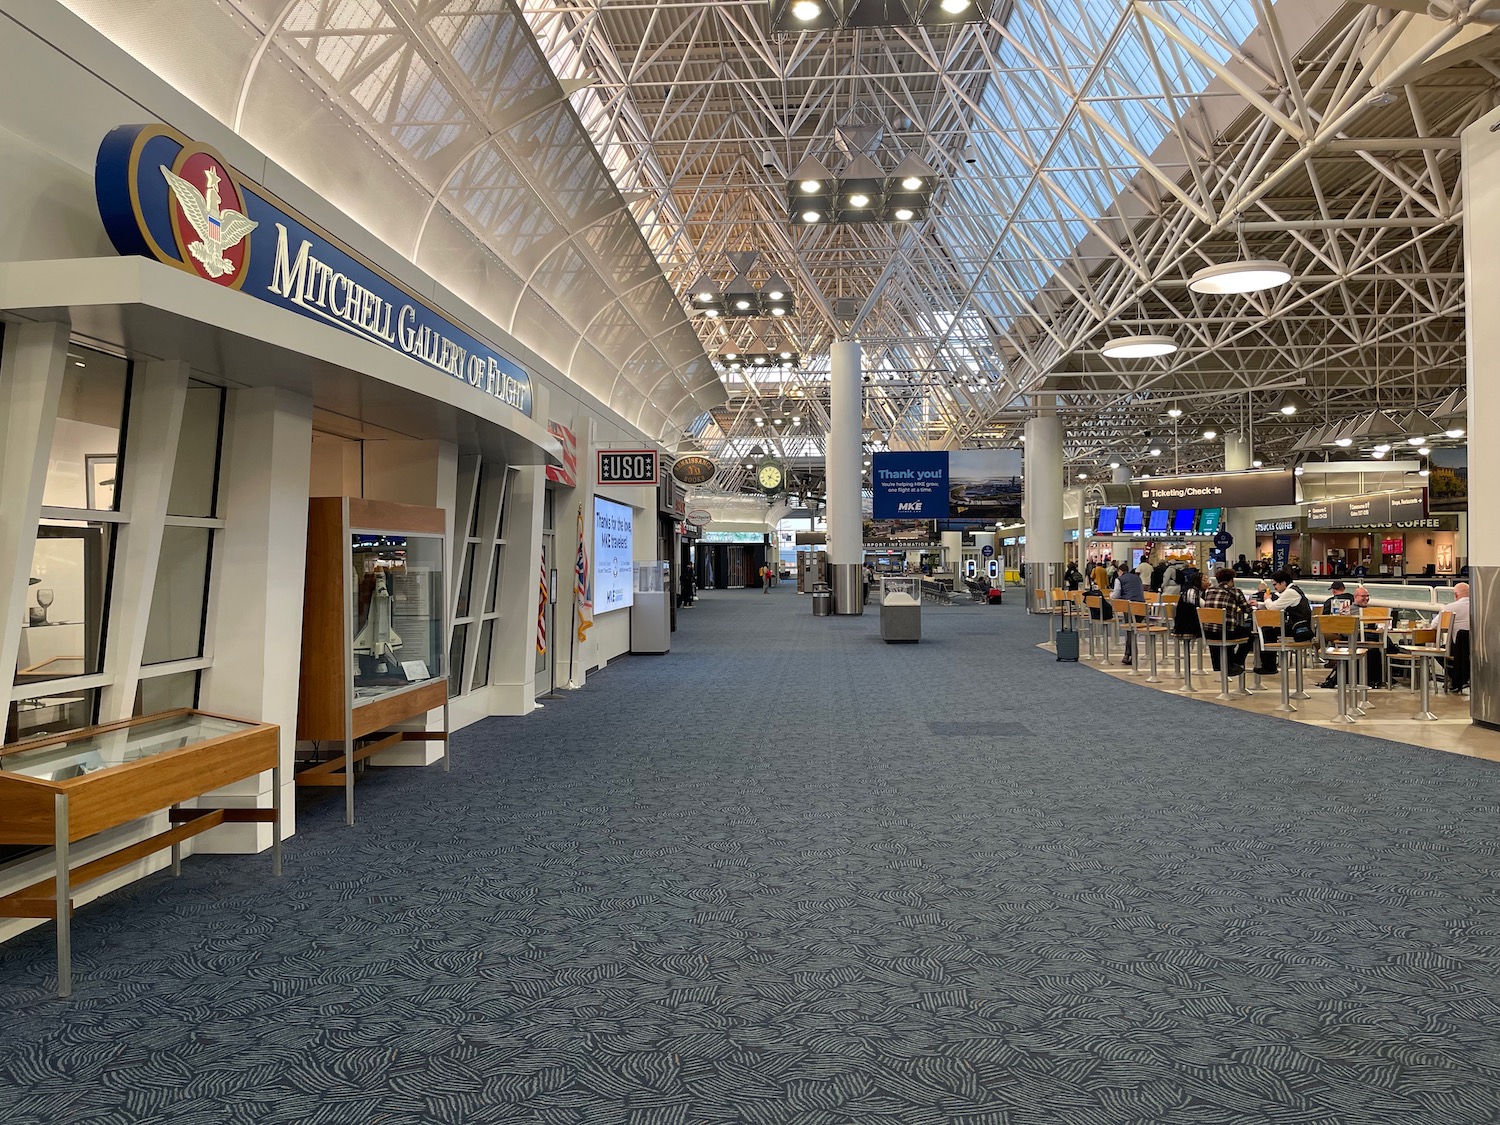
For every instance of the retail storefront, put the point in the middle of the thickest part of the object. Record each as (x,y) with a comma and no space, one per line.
(1387,535)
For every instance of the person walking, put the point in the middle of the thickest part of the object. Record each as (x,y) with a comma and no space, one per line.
(765,580)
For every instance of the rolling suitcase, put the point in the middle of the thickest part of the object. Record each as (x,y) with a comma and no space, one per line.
(1067,637)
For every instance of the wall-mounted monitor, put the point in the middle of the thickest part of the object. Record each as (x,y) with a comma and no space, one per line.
(1208,522)
(1184,520)
(1131,523)
(614,531)
(1109,521)
(1159,522)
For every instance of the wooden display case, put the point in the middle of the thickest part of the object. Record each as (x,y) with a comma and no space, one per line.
(374,632)
(59,789)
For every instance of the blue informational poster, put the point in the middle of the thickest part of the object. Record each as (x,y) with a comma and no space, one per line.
(910,485)
(614,536)
(1208,522)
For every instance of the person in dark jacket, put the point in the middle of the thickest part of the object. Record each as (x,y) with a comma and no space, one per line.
(1128,585)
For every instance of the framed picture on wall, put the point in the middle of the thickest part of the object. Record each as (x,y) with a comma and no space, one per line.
(1445,557)
(99,473)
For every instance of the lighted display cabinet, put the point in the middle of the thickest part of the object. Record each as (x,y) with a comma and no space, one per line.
(374,627)
(60,788)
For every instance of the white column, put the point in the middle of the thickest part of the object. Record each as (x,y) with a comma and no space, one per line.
(1240,522)
(953,555)
(157,394)
(1044,488)
(845,526)
(31,378)
(255,596)
(1481,187)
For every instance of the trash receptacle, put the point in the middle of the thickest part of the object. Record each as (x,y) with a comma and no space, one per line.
(822,598)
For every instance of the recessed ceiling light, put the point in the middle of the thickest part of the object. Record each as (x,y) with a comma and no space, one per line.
(1139,347)
(742,304)
(776,295)
(859,199)
(912,183)
(731,355)
(1240,277)
(777,310)
(954,7)
(1456,432)
(710,313)
(811,187)
(1424,450)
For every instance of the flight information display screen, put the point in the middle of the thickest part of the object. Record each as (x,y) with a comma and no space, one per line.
(1109,521)
(1131,524)
(1159,518)
(1184,520)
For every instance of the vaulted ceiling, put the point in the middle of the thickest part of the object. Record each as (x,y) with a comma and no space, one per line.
(1093,154)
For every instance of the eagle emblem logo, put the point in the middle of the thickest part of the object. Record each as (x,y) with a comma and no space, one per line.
(219,228)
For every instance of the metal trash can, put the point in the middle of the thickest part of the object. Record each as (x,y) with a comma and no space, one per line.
(822,598)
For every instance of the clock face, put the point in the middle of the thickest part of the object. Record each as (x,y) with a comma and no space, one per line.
(769,476)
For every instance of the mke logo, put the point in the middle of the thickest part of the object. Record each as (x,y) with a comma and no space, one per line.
(909,506)
(218,228)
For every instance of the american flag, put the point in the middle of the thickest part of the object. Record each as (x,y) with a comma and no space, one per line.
(541,611)
(582,589)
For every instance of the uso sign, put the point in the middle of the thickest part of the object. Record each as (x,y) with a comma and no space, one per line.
(162,196)
(627,466)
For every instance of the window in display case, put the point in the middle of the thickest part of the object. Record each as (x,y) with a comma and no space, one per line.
(398,592)
(373,632)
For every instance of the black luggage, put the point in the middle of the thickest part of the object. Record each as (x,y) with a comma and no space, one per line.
(1067,645)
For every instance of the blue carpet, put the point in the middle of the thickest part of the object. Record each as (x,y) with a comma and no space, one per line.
(790,875)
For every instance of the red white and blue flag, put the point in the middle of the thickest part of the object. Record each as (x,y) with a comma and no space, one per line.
(583,589)
(541,611)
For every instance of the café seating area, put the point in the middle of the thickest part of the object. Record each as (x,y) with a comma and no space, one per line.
(1387,670)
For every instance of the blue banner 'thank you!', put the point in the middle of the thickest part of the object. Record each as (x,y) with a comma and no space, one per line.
(910,485)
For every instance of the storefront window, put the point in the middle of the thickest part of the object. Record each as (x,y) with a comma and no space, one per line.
(175,628)
(66,600)
(164,693)
(456,661)
(85,461)
(50,714)
(482,657)
(195,473)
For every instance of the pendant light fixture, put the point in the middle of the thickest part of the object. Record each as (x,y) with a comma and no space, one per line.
(1139,347)
(1247,276)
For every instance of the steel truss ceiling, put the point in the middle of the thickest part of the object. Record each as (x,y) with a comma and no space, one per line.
(1095,154)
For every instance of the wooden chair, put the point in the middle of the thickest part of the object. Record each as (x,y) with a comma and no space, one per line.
(1338,643)
(1210,617)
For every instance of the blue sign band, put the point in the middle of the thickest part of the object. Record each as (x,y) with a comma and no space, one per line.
(292,263)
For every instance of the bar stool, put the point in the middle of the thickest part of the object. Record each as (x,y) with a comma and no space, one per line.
(1184,651)
(1125,625)
(1094,610)
(1273,619)
(1338,635)
(1422,650)
(1377,618)
(1211,617)
(1148,625)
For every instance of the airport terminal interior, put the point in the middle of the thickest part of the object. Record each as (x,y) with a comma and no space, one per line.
(784,562)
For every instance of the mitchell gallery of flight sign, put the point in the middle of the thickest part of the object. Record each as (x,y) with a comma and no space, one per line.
(162,196)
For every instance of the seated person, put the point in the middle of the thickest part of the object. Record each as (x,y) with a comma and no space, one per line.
(1458,663)
(1338,597)
(1226,596)
(1296,612)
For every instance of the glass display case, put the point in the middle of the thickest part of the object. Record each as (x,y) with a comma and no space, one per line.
(397,591)
(374,633)
(59,789)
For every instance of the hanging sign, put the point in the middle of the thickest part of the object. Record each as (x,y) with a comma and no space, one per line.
(1407,508)
(163,196)
(700,516)
(694,468)
(910,485)
(1221,490)
(627,466)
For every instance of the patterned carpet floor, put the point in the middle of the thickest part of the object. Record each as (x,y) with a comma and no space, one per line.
(790,875)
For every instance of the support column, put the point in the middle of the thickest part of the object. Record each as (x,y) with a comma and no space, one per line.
(1044,488)
(1481,187)
(255,597)
(1239,521)
(31,378)
(845,524)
